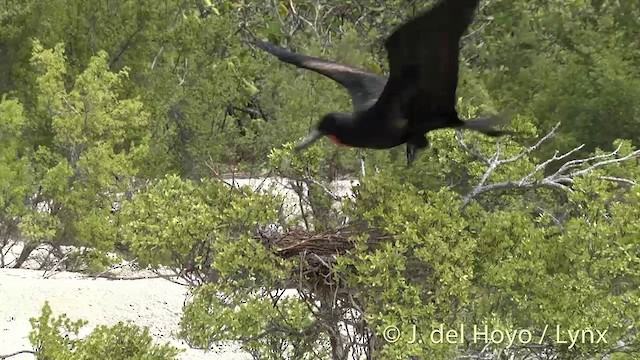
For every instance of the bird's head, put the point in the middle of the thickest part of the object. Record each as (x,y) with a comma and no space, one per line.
(331,125)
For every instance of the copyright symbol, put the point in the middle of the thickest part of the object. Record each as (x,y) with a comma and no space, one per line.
(391,334)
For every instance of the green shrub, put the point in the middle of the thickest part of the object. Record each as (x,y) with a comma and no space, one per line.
(56,338)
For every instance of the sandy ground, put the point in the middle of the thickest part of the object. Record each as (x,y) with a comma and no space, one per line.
(155,303)
(282,187)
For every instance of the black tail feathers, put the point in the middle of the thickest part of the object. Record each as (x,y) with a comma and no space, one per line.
(487,126)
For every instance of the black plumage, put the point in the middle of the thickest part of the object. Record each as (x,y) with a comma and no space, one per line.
(418,96)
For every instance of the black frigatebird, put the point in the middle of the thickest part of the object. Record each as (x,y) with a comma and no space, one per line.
(418,96)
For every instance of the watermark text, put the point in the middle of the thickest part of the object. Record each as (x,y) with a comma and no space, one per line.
(485,334)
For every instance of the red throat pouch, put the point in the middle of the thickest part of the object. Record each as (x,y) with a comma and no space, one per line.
(335,140)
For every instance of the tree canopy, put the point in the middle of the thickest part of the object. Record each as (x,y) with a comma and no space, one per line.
(121,124)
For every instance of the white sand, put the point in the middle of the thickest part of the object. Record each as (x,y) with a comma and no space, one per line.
(155,303)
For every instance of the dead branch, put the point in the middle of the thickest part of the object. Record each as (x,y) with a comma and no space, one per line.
(559,180)
(69,105)
(176,17)
(324,188)
(18,353)
(49,273)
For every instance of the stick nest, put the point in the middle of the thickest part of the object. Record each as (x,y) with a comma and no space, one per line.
(317,253)
(297,242)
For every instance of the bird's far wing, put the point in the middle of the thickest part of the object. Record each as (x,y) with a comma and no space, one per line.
(429,44)
(364,87)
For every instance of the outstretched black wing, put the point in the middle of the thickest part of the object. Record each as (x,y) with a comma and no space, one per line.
(423,56)
(364,87)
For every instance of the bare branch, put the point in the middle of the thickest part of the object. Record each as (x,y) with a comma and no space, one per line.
(540,167)
(460,137)
(155,58)
(182,80)
(70,106)
(18,353)
(535,147)
(559,180)
(617,179)
(127,44)
(324,188)
(48,273)
(176,17)
(607,162)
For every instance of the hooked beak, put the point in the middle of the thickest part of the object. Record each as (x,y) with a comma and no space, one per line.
(313,136)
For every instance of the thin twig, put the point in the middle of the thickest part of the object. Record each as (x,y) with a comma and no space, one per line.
(18,353)
(53,270)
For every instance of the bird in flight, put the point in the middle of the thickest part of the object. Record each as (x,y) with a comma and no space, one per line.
(418,96)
